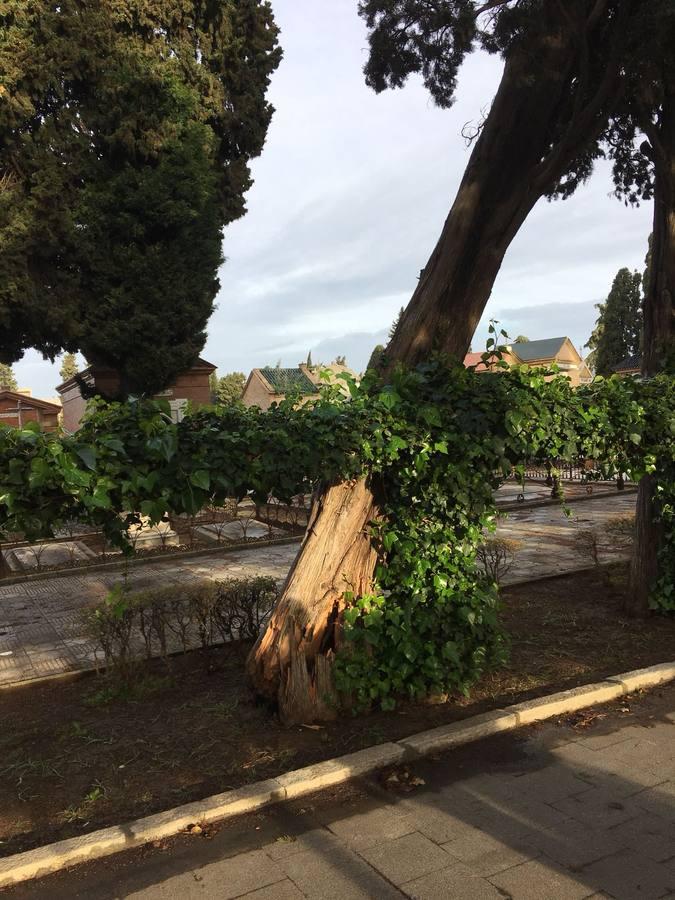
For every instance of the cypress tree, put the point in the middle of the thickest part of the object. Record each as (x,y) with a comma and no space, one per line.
(7,378)
(69,367)
(126,129)
(617,333)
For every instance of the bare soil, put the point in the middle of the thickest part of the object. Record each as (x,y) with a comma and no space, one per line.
(76,755)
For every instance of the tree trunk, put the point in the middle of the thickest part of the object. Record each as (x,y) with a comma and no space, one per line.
(658,340)
(292,660)
(512,165)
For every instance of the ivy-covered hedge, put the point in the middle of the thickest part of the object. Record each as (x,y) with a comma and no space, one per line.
(435,443)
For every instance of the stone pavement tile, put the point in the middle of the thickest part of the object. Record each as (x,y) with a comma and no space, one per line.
(574,846)
(366,829)
(36,633)
(659,800)
(16,675)
(457,882)
(578,759)
(225,879)
(338,874)
(282,890)
(541,880)
(487,854)
(70,604)
(9,641)
(54,649)
(80,646)
(611,737)
(437,824)
(552,783)
(407,858)
(14,660)
(485,784)
(49,587)
(630,875)
(318,840)
(655,747)
(52,665)
(621,780)
(512,818)
(650,835)
(599,808)
(459,799)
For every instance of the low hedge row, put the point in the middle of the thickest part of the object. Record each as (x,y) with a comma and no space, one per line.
(129,625)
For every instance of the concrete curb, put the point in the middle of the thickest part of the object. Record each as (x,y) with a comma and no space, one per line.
(53,857)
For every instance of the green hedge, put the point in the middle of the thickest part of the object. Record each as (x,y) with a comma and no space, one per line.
(434,443)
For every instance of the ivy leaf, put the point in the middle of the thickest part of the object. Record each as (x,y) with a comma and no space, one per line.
(432,416)
(389,538)
(395,444)
(201,479)
(88,456)
(389,399)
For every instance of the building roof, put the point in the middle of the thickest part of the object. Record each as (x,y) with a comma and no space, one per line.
(288,381)
(629,364)
(87,373)
(475,359)
(28,402)
(529,351)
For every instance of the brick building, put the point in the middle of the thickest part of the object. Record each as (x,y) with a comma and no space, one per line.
(542,354)
(18,408)
(630,367)
(272,385)
(191,386)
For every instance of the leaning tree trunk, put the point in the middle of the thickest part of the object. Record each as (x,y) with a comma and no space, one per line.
(511,167)
(292,660)
(658,340)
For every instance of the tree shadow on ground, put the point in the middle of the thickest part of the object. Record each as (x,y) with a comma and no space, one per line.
(548,812)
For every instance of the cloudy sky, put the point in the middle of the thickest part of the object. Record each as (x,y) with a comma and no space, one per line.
(349,198)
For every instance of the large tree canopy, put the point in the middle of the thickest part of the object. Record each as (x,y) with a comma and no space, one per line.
(126,129)
(227,390)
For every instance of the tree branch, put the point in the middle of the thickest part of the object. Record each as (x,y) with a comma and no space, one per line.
(585,123)
(493,4)
(651,130)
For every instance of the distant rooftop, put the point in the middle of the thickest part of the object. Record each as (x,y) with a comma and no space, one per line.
(529,351)
(288,381)
(630,363)
(28,401)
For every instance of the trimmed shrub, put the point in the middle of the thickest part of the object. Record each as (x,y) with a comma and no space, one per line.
(129,625)
(497,556)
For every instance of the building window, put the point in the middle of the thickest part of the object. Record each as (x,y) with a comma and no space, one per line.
(178,410)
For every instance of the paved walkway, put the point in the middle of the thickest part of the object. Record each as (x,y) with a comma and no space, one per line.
(40,621)
(552,812)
